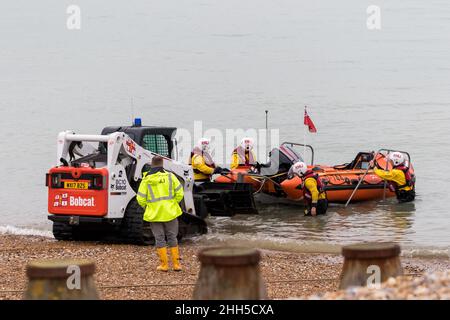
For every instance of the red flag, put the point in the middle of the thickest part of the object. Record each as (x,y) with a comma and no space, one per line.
(308,122)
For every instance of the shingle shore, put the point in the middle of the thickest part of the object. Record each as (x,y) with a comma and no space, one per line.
(128,272)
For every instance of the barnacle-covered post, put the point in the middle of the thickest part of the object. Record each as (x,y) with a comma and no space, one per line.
(61,280)
(229,273)
(369,263)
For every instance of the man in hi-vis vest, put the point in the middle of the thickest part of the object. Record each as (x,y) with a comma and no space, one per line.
(159,194)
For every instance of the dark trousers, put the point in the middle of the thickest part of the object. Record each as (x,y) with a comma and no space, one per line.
(322,207)
(405,196)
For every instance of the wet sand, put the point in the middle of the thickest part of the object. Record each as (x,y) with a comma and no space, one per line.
(128,272)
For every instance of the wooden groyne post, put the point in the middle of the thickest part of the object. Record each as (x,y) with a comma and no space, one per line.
(369,263)
(229,273)
(61,280)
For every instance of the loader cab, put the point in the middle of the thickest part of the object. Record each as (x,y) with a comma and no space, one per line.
(160,140)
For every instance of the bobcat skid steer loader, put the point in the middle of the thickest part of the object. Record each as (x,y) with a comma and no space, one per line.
(92,189)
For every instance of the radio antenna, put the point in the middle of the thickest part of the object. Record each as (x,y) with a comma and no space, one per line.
(267,135)
(132,111)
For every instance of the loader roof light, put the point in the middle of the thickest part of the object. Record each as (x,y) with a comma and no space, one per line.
(137,122)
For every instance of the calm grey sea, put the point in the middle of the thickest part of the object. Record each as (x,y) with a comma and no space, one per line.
(225,62)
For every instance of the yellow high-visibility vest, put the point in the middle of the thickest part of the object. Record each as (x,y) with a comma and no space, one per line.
(159,194)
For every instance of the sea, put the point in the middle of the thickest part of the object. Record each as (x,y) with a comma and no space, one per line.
(368,85)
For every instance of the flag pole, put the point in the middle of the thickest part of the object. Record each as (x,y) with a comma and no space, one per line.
(267,135)
(304,135)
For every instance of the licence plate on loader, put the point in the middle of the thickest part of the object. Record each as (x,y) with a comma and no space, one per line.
(76,185)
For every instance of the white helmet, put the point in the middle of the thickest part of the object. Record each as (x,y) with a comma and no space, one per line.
(299,168)
(247,144)
(397,158)
(203,144)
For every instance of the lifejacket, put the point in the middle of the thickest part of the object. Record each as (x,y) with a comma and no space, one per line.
(394,187)
(243,160)
(206,156)
(320,187)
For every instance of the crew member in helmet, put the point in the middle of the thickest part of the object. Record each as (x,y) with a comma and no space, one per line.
(243,155)
(313,190)
(399,178)
(202,162)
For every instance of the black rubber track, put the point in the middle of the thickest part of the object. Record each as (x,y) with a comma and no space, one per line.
(134,229)
(62,231)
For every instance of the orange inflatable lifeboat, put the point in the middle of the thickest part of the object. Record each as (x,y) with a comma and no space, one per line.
(340,181)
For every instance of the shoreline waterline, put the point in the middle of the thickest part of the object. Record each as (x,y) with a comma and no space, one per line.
(243,240)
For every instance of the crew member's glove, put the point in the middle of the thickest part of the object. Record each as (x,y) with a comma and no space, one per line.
(217,170)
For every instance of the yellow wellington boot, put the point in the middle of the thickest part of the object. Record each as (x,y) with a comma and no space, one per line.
(175,259)
(162,253)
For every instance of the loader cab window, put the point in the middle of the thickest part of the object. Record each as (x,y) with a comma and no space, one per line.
(156,143)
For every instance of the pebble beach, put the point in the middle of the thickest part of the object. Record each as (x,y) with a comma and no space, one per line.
(429,286)
(127,272)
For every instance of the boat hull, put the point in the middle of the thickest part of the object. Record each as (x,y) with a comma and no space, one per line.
(339,182)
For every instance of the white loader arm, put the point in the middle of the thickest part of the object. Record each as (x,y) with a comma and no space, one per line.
(144,157)
(65,138)
(183,171)
(122,150)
